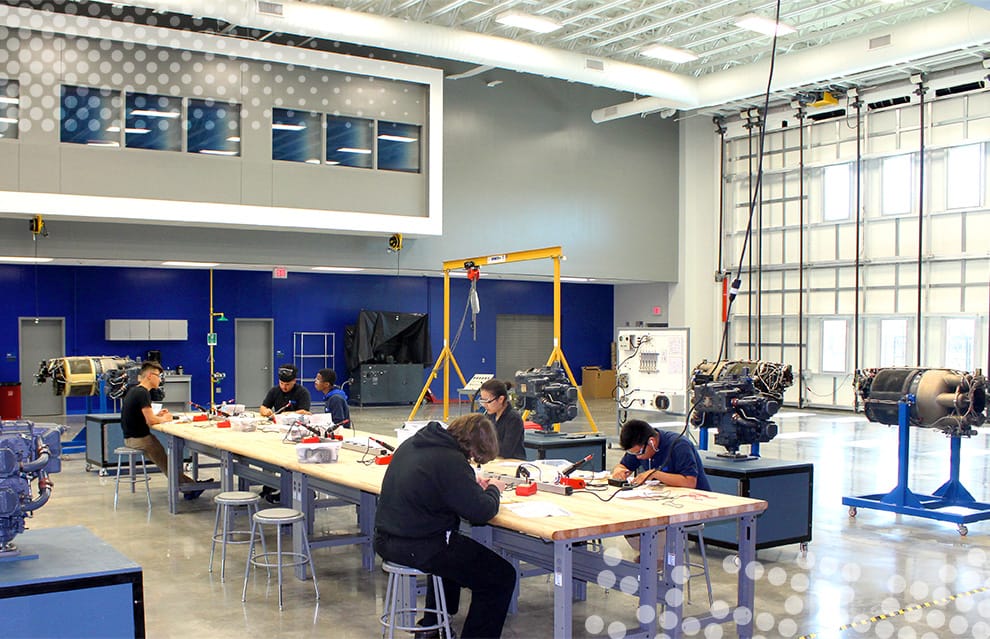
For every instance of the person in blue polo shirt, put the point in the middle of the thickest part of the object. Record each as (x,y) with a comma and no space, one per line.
(661,455)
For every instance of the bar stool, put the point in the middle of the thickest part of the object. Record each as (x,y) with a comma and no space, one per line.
(698,531)
(228,504)
(133,455)
(401,587)
(278,517)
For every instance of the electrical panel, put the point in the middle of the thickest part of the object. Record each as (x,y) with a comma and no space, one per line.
(651,372)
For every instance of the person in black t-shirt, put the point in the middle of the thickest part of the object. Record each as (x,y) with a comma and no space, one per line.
(288,396)
(136,416)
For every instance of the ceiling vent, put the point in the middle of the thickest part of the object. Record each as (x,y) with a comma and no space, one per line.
(961,88)
(594,65)
(270,8)
(889,102)
(879,41)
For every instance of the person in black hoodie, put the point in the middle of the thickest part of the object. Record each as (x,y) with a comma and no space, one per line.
(429,487)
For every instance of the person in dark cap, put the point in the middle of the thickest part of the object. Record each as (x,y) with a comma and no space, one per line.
(289,396)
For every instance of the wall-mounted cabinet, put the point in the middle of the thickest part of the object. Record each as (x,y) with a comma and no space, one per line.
(146,329)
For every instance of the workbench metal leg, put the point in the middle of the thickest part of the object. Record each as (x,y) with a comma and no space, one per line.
(302,497)
(366,524)
(226,470)
(649,562)
(675,577)
(563,587)
(175,446)
(746,584)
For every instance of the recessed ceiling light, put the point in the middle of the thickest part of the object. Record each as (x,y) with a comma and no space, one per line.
(662,52)
(396,138)
(347,149)
(151,113)
(527,21)
(193,264)
(577,279)
(280,126)
(338,269)
(8,100)
(763,25)
(8,120)
(25,260)
(217,152)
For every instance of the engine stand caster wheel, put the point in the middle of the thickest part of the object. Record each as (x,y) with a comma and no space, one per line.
(103,472)
(963,531)
(852,511)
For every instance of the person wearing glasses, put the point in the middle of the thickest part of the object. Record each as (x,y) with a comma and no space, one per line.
(659,455)
(289,396)
(494,398)
(136,416)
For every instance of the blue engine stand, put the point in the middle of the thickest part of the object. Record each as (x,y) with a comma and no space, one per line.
(952,494)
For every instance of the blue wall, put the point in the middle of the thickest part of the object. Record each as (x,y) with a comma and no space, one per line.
(86,296)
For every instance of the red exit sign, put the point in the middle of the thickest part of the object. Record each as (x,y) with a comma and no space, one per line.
(280,273)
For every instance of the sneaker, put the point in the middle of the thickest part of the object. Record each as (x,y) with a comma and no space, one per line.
(272,496)
(190,495)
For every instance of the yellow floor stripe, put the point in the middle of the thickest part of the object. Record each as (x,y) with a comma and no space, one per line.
(904,611)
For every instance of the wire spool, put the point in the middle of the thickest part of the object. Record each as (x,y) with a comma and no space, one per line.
(945,399)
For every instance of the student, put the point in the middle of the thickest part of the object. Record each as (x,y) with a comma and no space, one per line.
(494,398)
(428,488)
(664,456)
(334,399)
(288,396)
(136,416)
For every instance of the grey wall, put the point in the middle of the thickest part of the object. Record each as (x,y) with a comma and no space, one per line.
(524,168)
(634,304)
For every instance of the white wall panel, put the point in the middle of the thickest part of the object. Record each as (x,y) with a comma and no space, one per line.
(821,244)
(879,239)
(947,134)
(847,302)
(945,273)
(821,303)
(880,275)
(879,301)
(944,300)
(946,235)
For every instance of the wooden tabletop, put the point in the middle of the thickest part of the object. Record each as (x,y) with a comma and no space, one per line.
(587,516)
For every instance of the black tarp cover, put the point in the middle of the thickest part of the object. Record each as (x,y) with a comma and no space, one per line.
(383,337)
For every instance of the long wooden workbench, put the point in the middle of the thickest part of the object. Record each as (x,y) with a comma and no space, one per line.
(557,544)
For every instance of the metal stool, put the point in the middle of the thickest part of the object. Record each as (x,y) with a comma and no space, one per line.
(402,587)
(225,502)
(278,517)
(703,566)
(131,454)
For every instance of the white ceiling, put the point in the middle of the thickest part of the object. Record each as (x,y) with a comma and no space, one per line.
(620,29)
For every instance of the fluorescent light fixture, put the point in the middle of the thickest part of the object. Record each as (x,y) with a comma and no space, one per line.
(234,138)
(151,113)
(137,131)
(217,152)
(333,162)
(7,100)
(577,279)
(25,260)
(670,54)
(338,269)
(8,120)
(279,126)
(763,25)
(193,264)
(313,161)
(396,138)
(347,149)
(103,143)
(527,21)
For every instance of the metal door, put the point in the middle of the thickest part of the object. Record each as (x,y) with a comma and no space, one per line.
(522,341)
(40,339)
(253,351)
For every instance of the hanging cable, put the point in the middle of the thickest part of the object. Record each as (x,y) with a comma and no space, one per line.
(737,281)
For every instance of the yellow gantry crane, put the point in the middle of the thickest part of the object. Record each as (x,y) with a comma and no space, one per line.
(446,357)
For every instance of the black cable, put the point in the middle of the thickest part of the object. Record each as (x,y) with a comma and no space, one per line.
(734,290)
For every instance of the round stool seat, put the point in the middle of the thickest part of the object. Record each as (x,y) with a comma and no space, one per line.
(237,498)
(278,516)
(399,569)
(127,450)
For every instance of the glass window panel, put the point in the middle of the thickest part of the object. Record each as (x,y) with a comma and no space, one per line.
(896,185)
(350,141)
(960,337)
(398,146)
(834,346)
(296,136)
(90,116)
(836,192)
(893,342)
(214,128)
(153,122)
(10,101)
(964,168)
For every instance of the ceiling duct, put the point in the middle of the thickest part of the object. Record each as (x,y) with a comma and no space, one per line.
(961,88)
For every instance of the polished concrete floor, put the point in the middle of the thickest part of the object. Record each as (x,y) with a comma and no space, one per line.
(875,575)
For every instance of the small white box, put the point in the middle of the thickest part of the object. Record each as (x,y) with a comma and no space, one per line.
(231,409)
(318,453)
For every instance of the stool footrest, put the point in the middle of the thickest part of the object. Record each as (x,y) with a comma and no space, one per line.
(261,559)
(415,627)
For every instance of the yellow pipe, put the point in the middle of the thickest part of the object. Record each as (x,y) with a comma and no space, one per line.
(212,378)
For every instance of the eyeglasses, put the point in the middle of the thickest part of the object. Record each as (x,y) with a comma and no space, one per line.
(155,373)
(485,402)
(642,449)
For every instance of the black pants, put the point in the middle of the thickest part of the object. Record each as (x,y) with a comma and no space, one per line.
(461,563)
